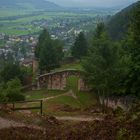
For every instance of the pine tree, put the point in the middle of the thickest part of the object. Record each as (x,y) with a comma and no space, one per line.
(80,47)
(133,45)
(49,52)
(101,66)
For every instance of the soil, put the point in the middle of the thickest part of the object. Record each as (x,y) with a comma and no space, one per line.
(4,123)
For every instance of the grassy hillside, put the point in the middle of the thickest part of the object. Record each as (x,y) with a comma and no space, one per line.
(62,104)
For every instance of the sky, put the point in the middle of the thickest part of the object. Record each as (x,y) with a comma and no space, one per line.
(93,3)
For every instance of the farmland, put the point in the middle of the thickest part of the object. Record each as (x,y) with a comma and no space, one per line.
(23,22)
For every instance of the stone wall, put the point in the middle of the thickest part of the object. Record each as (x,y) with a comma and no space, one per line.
(114,102)
(58,80)
(82,86)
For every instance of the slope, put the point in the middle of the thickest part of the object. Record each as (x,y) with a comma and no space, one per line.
(118,24)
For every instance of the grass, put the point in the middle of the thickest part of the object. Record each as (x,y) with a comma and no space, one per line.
(76,66)
(86,98)
(43,93)
(56,105)
(72,83)
(64,100)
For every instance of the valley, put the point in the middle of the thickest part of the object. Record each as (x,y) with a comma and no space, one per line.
(63,24)
(69,73)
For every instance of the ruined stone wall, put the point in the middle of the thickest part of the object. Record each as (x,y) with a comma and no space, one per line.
(35,66)
(122,102)
(82,86)
(58,80)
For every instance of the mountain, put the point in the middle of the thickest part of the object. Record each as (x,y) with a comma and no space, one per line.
(26,4)
(118,24)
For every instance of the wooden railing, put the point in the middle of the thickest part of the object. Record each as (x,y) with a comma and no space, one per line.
(14,108)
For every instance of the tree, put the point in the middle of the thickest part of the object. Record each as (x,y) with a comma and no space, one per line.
(13,91)
(47,59)
(43,36)
(58,49)
(102,65)
(80,47)
(3,97)
(133,49)
(10,71)
(49,52)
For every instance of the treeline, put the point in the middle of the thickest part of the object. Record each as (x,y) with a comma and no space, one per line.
(114,67)
(12,79)
(111,67)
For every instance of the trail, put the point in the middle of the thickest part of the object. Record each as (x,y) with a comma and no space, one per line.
(78,118)
(6,123)
(69,93)
(52,97)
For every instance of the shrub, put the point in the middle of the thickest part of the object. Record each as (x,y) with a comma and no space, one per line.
(13,91)
(3,98)
(15,97)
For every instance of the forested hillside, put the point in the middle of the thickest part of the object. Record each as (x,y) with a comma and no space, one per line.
(118,25)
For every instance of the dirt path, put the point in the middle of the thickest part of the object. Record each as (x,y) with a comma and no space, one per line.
(4,123)
(69,93)
(52,97)
(78,118)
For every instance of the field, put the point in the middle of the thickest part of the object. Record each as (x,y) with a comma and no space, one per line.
(22,22)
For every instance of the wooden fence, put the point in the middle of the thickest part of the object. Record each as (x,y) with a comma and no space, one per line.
(14,108)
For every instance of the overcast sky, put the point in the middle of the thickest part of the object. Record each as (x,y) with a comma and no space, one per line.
(93,3)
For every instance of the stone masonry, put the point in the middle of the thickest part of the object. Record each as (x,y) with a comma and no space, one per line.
(58,80)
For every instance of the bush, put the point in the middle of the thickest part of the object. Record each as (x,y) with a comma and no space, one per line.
(13,91)
(3,98)
(15,97)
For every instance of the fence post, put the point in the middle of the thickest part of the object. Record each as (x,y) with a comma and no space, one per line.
(41,107)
